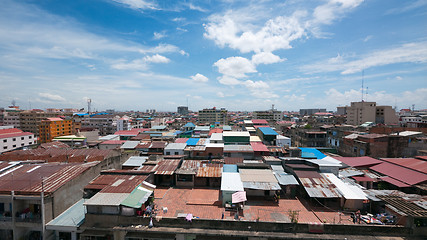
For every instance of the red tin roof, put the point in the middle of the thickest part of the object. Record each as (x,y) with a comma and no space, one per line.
(400,173)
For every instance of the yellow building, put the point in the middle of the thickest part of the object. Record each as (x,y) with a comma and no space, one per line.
(54,127)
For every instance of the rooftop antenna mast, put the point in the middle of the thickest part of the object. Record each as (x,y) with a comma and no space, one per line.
(363,77)
(89,103)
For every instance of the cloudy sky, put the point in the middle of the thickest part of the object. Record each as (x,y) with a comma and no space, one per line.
(242,55)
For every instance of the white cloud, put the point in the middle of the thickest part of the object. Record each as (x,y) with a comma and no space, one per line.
(183,53)
(334,98)
(277,33)
(139,64)
(138,4)
(220,94)
(159,35)
(399,78)
(227,80)
(235,67)
(197,8)
(259,89)
(156,59)
(51,97)
(179,19)
(199,78)
(327,13)
(295,98)
(367,38)
(415,52)
(266,58)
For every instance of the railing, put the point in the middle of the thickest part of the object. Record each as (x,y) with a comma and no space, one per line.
(5,219)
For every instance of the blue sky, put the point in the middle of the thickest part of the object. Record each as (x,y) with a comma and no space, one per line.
(242,55)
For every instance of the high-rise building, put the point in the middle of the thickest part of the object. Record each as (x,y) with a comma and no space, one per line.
(361,112)
(54,127)
(30,120)
(269,115)
(182,110)
(213,116)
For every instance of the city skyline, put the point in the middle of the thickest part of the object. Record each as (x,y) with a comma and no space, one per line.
(241,55)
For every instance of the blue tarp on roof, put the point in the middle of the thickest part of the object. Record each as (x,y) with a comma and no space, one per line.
(268,131)
(189,124)
(80,114)
(229,168)
(192,141)
(311,153)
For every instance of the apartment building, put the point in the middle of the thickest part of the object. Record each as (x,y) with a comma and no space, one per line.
(30,120)
(13,138)
(361,112)
(54,127)
(213,116)
(270,115)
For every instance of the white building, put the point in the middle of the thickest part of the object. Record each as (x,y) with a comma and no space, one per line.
(14,138)
(175,149)
(282,141)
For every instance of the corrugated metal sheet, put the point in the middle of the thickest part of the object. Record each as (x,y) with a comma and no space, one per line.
(412,163)
(106,199)
(358,161)
(311,153)
(400,173)
(175,146)
(257,175)
(188,167)
(181,140)
(316,185)
(230,168)
(238,148)
(395,182)
(124,183)
(158,145)
(261,186)
(137,197)
(210,170)
(231,182)
(267,131)
(72,217)
(130,145)
(259,147)
(235,134)
(259,121)
(135,161)
(233,160)
(285,179)
(192,141)
(167,167)
(27,179)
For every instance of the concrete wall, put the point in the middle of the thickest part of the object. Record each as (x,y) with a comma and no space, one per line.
(94,222)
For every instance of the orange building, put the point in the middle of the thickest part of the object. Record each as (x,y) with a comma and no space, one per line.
(54,127)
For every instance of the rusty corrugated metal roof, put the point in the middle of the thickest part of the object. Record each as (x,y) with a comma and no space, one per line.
(28,178)
(167,167)
(209,170)
(316,185)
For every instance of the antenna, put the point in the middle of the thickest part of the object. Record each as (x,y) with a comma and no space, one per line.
(89,102)
(366,94)
(413,107)
(363,77)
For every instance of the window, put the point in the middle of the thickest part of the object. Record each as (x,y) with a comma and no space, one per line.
(14,146)
(22,138)
(5,147)
(14,139)
(4,140)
